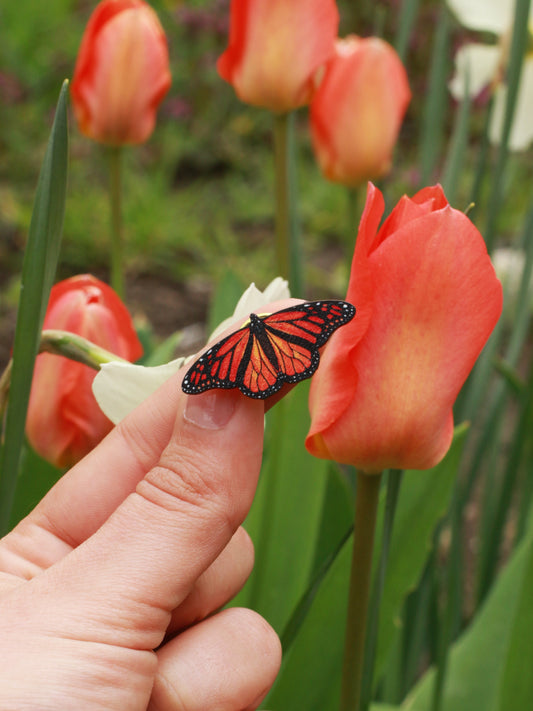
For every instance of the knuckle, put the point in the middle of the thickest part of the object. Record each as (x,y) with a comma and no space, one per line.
(189,481)
(136,442)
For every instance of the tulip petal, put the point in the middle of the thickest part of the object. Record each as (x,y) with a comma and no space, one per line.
(64,421)
(121,74)
(427,341)
(358,109)
(408,209)
(435,300)
(275,48)
(335,361)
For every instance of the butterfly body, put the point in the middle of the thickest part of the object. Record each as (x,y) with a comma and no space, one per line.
(270,350)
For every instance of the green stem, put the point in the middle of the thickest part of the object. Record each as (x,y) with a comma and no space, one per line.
(448,622)
(287,232)
(366,505)
(518,48)
(394,480)
(352,195)
(77,348)
(115,197)
(66,344)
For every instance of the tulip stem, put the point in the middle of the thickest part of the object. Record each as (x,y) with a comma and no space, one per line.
(77,348)
(287,232)
(366,506)
(66,344)
(352,199)
(115,196)
(394,480)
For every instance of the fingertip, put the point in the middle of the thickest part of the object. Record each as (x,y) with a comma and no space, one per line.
(227,661)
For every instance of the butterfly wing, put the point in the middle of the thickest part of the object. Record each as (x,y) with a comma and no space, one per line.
(278,348)
(264,373)
(286,347)
(219,367)
(311,323)
(237,361)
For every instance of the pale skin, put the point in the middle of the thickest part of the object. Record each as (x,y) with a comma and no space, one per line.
(109,589)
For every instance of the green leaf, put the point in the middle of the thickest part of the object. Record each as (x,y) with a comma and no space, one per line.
(406,20)
(285,519)
(432,133)
(310,673)
(490,665)
(227,294)
(424,499)
(518,46)
(36,478)
(311,669)
(165,351)
(457,149)
(516,691)
(38,272)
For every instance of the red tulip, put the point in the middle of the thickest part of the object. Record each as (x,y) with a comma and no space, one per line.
(64,422)
(358,109)
(427,299)
(275,49)
(121,74)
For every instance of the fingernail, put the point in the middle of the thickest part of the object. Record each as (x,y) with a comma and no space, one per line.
(211,410)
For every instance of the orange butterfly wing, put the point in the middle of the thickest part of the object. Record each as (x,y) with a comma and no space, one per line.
(271,350)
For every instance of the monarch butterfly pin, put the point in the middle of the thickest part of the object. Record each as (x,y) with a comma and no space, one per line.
(269,350)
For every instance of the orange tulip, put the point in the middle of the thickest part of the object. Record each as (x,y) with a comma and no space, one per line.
(275,49)
(427,299)
(121,74)
(358,109)
(64,421)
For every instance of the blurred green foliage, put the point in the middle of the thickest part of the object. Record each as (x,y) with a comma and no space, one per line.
(198,196)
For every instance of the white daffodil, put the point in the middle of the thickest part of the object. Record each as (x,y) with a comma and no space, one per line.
(509,264)
(120,387)
(480,65)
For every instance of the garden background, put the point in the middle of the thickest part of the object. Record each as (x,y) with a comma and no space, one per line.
(198,196)
(198,215)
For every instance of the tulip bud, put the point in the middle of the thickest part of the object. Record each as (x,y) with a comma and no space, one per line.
(121,74)
(427,299)
(358,109)
(275,49)
(64,421)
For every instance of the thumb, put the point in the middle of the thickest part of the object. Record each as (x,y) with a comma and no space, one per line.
(123,582)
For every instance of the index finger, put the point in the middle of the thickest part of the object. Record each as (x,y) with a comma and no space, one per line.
(84,498)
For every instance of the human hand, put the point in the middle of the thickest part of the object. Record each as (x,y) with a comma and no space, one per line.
(107,588)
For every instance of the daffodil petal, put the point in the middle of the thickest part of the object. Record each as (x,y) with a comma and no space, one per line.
(277,290)
(509,264)
(475,67)
(484,15)
(522,129)
(120,387)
